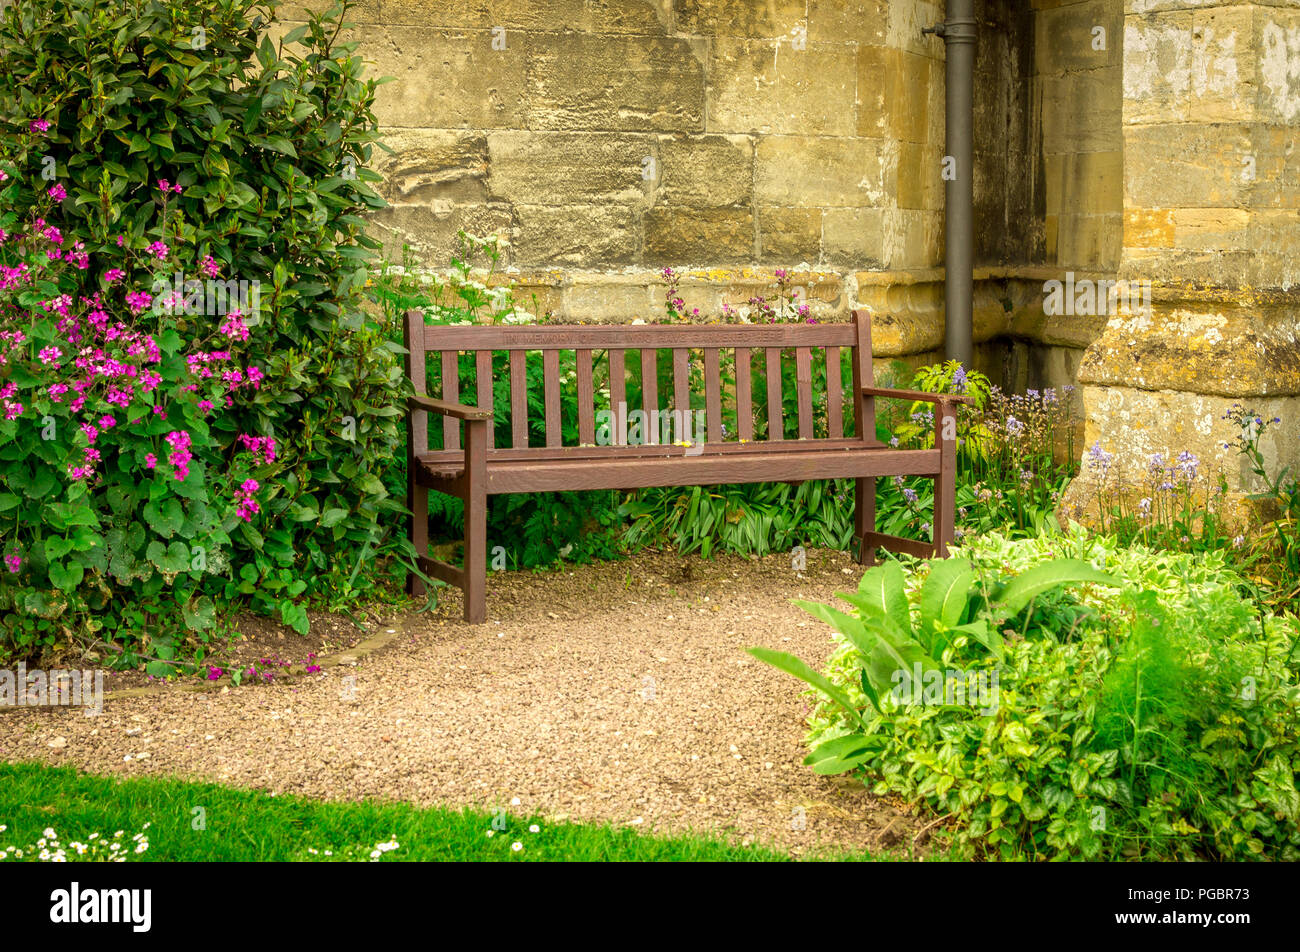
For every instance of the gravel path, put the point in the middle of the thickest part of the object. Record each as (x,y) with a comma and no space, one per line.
(616,692)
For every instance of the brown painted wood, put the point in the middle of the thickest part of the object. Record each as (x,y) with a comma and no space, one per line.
(803,387)
(915,395)
(945,484)
(451,394)
(775,415)
(650,393)
(864,406)
(744,394)
(413,336)
(476,522)
(417,441)
(586,400)
(879,540)
(617,393)
(681,380)
(480,469)
(634,336)
(834,394)
(713,393)
(483,390)
(706,469)
(551,389)
(519,398)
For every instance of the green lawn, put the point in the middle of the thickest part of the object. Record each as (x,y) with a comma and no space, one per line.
(241,826)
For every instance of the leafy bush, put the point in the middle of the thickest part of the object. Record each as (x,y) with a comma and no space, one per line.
(160,148)
(1155,719)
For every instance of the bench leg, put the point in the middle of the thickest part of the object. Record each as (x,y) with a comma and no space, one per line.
(476,522)
(864,517)
(945,483)
(417,500)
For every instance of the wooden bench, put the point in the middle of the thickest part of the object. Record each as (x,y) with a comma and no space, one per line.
(476,468)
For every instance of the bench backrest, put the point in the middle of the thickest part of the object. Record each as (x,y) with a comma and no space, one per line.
(602,360)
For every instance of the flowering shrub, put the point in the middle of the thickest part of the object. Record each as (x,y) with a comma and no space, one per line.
(154,471)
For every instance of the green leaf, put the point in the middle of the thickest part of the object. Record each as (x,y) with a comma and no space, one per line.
(1043,578)
(945,592)
(66,576)
(883,588)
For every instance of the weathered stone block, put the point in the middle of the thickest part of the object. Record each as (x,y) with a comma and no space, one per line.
(1191,165)
(433,165)
(1148,228)
(848,21)
(687,236)
(755,86)
(1157,68)
(610,298)
(895,93)
(1080,36)
(804,170)
(1277,41)
(1082,111)
(566,168)
(576,235)
(634,84)
(789,236)
(488,91)
(705,170)
(854,237)
(553,16)
(768,19)
(431,229)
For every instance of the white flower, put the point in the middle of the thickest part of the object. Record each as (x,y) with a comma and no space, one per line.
(516,846)
(491,833)
(534,829)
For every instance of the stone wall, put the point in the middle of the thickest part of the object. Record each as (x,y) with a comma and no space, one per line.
(608,139)
(1211,122)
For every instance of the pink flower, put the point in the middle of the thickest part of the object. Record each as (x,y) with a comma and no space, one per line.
(57,192)
(246,506)
(39,125)
(150,461)
(209,267)
(158,250)
(113,275)
(13,562)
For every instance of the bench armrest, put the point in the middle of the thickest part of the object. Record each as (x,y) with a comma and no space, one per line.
(917,395)
(457,410)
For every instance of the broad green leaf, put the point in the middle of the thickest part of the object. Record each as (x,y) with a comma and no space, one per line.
(945,592)
(1043,578)
(882,586)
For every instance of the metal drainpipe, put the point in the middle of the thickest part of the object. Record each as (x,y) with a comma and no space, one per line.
(958,32)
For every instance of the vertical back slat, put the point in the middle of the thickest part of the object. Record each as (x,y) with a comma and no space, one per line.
(681,381)
(775,416)
(834,395)
(483,386)
(803,388)
(586,400)
(519,399)
(744,395)
(418,437)
(551,387)
(618,394)
(450,393)
(713,394)
(650,393)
